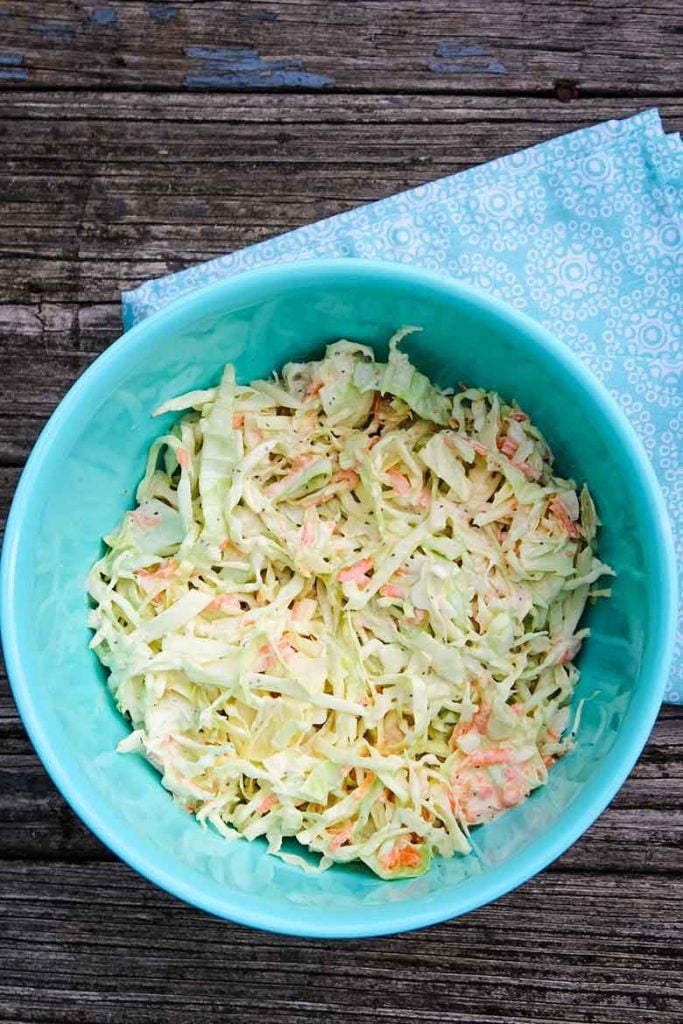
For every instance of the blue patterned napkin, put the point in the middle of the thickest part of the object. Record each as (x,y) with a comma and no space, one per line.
(584,233)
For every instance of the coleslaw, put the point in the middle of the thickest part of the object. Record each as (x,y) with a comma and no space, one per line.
(346,609)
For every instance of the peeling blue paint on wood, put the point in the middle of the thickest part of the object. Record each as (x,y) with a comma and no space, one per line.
(9,67)
(459,57)
(456,48)
(54,29)
(102,16)
(222,53)
(240,68)
(494,67)
(162,12)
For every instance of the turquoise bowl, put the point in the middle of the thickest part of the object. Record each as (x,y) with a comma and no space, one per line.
(81,477)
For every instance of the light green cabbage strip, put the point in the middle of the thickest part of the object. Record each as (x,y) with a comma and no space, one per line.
(346,610)
(217,459)
(399,377)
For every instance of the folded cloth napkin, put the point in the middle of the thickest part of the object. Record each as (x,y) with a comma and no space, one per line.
(584,233)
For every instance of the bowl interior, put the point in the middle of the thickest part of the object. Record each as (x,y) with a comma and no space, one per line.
(82,477)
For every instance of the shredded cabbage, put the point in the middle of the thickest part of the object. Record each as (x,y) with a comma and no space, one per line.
(346,609)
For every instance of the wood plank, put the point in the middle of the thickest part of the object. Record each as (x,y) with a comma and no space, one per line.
(431,45)
(214,173)
(87,208)
(9,477)
(28,336)
(108,947)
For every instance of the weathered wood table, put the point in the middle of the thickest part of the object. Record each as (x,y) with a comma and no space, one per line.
(138,138)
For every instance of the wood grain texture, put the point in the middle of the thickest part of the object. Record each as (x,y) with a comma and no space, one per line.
(427,45)
(97,943)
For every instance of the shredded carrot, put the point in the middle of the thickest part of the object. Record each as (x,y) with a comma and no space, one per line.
(402,855)
(266,661)
(356,573)
(165,571)
(341,836)
(224,603)
(285,648)
(314,387)
(480,758)
(307,531)
(267,803)
(400,483)
(391,590)
(365,785)
(340,482)
(237,420)
(461,729)
(507,446)
(348,476)
(301,461)
(183,458)
(481,719)
(529,472)
(562,516)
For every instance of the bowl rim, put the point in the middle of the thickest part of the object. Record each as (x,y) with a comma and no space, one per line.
(395,917)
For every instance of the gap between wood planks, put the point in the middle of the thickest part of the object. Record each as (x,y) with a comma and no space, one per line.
(553,92)
(240,107)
